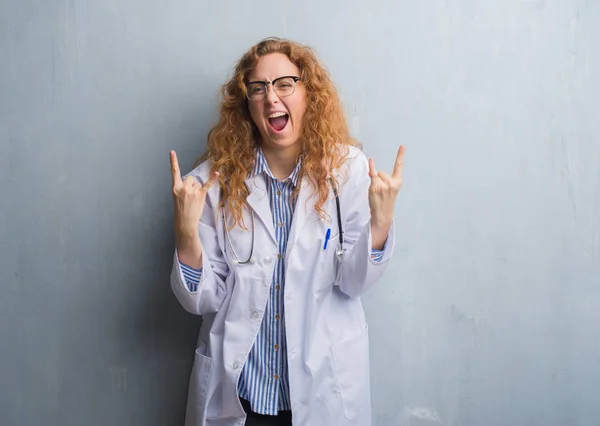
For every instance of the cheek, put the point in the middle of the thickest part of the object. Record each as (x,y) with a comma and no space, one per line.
(298,108)
(300,116)
(256,114)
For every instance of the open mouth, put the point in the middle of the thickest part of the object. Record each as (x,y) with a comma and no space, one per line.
(278,121)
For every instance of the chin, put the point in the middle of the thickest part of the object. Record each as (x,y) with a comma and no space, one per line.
(282,143)
(280,140)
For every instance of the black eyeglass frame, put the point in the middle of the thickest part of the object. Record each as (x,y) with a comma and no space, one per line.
(267,83)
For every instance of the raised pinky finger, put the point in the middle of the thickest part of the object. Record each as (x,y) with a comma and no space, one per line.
(210,182)
(372,169)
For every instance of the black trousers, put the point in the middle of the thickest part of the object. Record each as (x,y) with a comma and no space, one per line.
(254,419)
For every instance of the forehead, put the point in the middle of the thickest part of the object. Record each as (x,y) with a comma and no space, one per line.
(272,66)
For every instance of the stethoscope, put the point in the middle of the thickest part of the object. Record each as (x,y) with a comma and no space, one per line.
(339,251)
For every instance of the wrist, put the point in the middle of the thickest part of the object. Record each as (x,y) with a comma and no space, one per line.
(189,252)
(187,241)
(381,224)
(185,231)
(379,233)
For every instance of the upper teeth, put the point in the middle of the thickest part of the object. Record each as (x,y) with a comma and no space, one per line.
(277,114)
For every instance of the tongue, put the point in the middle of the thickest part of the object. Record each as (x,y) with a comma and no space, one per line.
(279,123)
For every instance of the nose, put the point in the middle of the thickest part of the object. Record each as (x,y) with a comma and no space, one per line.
(271,96)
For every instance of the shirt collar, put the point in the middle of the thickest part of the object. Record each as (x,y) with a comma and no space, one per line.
(261,166)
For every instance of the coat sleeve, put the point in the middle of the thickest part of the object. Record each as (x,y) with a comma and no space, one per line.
(359,270)
(209,294)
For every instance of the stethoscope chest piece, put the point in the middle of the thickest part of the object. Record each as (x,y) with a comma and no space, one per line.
(339,252)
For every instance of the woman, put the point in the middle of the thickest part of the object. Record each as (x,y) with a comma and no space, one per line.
(261,257)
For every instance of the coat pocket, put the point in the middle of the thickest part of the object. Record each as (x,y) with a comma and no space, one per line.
(201,376)
(351,365)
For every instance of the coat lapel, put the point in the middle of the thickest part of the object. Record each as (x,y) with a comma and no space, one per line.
(303,212)
(258,200)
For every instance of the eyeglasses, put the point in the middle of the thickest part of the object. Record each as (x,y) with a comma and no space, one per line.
(283,86)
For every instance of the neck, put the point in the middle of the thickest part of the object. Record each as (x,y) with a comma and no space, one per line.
(281,162)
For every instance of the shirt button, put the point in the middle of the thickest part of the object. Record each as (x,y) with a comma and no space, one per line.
(276,376)
(278,192)
(277,288)
(276,347)
(280,224)
(277,317)
(278,255)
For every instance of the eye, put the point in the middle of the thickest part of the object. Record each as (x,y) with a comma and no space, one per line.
(255,88)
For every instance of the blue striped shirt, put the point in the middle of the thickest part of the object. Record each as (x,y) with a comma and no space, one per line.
(264,381)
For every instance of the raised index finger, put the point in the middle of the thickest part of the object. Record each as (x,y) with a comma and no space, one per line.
(175,172)
(397,173)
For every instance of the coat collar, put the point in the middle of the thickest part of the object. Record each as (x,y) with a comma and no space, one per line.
(258,198)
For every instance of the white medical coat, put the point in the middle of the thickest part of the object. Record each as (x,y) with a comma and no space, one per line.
(327,335)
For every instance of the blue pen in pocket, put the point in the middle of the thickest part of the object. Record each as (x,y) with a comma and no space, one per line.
(327,235)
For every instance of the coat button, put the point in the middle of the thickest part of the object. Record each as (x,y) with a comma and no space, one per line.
(268,259)
(236,365)
(255,315)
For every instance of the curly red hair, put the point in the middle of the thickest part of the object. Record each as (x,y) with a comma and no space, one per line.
(324,134)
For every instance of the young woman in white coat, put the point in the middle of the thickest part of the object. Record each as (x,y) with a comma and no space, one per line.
(279,231)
